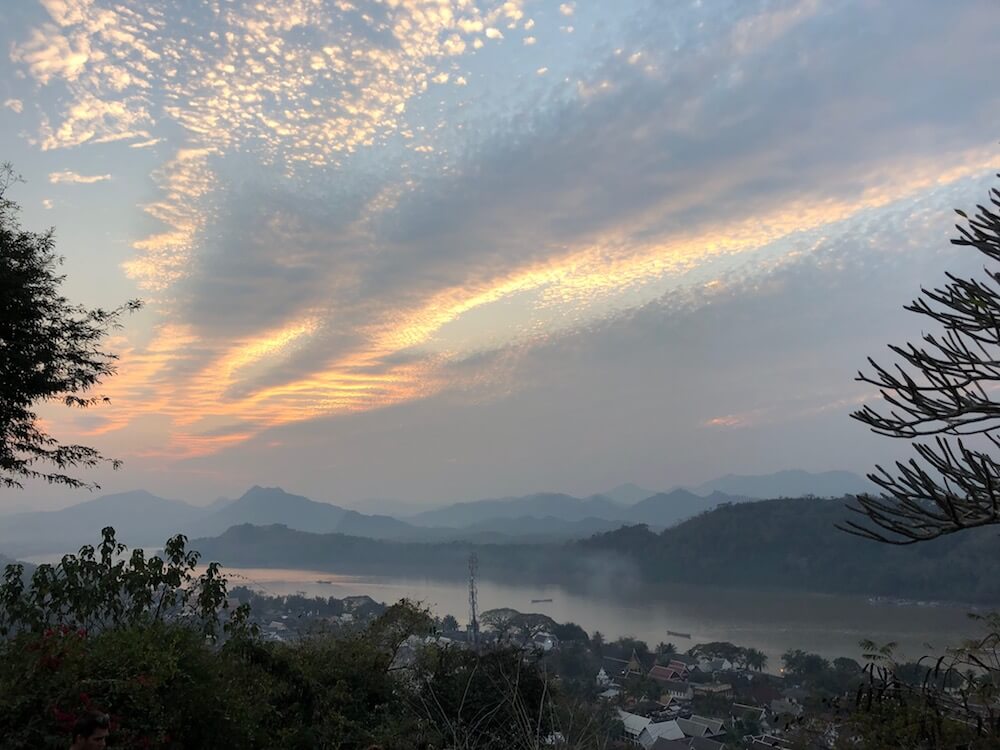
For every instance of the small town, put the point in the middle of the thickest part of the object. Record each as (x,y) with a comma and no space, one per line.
(709,696)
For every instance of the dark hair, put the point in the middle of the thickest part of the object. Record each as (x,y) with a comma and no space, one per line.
(89,723)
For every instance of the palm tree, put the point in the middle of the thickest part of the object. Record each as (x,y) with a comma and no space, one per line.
(755,659)
(664,650)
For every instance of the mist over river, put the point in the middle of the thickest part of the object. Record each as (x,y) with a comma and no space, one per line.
(772,621)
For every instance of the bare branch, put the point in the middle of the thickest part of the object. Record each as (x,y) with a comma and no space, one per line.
(945,387)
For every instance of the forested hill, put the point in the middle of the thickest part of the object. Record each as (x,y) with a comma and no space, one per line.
(771,544)
(277,546)
(793,543)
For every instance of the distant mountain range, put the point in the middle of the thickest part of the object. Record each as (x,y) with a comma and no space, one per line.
(794,544)
(138,517)
(143,519)
(793,483)
(768,544)
(543,504)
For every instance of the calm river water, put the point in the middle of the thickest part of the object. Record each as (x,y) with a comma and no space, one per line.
(770,621)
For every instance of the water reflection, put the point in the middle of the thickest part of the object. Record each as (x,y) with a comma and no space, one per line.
(767,620)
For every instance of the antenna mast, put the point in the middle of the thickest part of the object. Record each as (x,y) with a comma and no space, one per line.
(473,603)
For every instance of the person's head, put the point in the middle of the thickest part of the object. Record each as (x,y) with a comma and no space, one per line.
(90,732)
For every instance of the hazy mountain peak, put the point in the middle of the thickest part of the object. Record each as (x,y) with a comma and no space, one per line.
(267,495)
(123,501)
(139,518)
(628,493)
(219,502)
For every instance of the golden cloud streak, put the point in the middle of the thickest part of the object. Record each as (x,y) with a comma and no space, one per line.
(361,380)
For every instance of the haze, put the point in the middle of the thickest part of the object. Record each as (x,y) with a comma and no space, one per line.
(441,250)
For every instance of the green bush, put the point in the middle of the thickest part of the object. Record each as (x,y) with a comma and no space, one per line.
(151,643)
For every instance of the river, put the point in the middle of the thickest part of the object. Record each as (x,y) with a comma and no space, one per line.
(771,621)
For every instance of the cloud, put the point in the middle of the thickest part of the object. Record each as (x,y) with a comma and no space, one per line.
(47,55)
(773,351)
(72,178)
(15,105)
(733,421)
(309,267)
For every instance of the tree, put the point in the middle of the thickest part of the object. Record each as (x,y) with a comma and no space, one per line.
(804,667)
(103,588)
(755,659)
(49,350)
(718,650)
(664,651)
(943,388)
(597,642)
(449,624)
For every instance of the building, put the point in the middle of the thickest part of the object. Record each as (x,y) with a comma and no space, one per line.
(667,730)
(702,726)
(677,689)
(634,724)
(721,689)
(662,673)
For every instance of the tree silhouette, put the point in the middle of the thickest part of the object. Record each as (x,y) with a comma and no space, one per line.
(755,659)
(49,349)
(944,387)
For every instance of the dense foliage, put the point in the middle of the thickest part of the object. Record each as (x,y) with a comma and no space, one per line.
(792,543)
(151,641)
(50,349)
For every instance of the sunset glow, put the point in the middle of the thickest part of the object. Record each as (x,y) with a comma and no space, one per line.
(335,209)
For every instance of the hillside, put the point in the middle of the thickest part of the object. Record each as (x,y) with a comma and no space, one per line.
(143,519)
(540,505)
(140,517)
(281,547)
(263,506)
(669,508)
(628,493)
(773,544)
(791,483)
(792,543)
(528,515)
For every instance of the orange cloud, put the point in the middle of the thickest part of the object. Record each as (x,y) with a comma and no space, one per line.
(199,405)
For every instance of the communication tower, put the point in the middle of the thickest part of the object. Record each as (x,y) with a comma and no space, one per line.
(473,603)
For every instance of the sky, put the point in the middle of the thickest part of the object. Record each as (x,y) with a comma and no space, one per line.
(434,250)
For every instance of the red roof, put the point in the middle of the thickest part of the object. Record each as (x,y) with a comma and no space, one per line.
(664,674)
